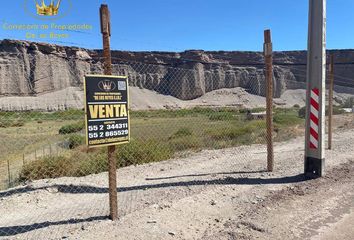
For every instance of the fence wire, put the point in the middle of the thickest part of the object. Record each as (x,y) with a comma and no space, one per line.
(176,112)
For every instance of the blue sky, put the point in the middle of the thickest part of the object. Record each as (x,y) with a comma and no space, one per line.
(177,25)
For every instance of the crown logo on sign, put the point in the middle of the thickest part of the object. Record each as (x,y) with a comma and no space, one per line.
(107,85)
(50,10)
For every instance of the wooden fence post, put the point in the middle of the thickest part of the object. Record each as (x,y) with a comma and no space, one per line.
(8,172)
(112,166)
(268,55)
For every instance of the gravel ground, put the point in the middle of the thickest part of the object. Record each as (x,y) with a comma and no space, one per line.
(212,194)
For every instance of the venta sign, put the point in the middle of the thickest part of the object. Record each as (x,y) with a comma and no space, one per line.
(106,108)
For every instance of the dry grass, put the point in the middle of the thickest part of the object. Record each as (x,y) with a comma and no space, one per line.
(159,135)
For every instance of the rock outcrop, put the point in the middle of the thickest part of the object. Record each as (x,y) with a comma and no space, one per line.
(31,69)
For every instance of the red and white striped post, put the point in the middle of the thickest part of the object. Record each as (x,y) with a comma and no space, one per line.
(314,118)
(315,101)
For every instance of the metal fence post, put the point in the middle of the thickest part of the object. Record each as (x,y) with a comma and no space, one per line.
(330,101)
(268,55)
(8,172)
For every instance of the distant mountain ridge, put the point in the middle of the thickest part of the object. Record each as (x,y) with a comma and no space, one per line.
(29,69)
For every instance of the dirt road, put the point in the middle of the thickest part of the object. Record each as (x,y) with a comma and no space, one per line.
(214,194)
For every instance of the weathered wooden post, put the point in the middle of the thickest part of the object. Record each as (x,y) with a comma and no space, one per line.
(8,172)
(268,55)
(112,166)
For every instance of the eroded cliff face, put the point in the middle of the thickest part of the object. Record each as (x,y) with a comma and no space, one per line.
(29,69)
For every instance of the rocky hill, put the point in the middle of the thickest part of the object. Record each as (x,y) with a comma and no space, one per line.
(32,69)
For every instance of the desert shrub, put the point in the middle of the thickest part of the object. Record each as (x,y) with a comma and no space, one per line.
(75,140)
(337,110)
(26,116)
(302,112)
(167,113)
(297,106)
(221,116)
(258,110)
(287,119)
(47,167)
(182,132)
(139,152)
(6,123)
(193,112)
(90,163)
(253,110)
(70,114)
(348,103)
(72,128)
(76,165)
(185,143)
(235,132)
(80,163)
(184,139)
(243,110)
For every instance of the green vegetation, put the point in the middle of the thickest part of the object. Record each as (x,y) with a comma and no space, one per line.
(182,132)
(29,116)
(287,117)
(72,128)
(302,112)
(75,140)
(184,139)
(82,163)
(249,129)
(139,152)
(6,123)
(349,103)
(337,110)
(221,116)
(79,164)
(156,136)
(253,110)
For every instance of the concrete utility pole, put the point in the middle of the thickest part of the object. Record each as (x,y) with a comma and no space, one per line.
(315,101)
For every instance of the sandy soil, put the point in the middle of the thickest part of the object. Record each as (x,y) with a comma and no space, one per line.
(143,99)
(212,194)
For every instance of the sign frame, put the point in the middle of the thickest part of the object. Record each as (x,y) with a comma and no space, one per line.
(86,110)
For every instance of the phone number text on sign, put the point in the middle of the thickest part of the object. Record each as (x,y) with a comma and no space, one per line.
(106,107)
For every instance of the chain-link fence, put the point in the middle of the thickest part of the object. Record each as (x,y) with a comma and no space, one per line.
(185,113)
(47,124)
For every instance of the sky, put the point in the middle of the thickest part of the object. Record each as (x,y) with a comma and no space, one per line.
(178,25)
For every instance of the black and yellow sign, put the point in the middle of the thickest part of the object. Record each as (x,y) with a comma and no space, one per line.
(106,108)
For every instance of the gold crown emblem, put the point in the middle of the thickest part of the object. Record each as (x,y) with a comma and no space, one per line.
(50,10)
(107,85)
